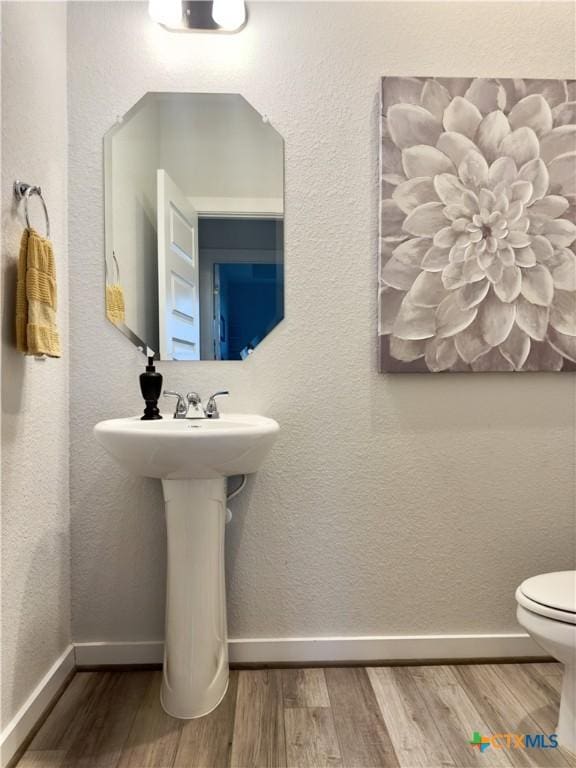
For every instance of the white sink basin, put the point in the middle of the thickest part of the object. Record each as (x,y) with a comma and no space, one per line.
(173,449)
(193,458)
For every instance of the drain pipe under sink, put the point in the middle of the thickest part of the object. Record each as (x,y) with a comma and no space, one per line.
(233,495)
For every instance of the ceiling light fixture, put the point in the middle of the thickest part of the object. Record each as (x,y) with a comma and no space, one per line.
(199,15)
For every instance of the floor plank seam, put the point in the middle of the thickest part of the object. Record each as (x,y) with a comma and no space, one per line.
(338,739)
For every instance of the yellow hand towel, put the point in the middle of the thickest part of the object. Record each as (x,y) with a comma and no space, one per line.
(115,307)
(36,329)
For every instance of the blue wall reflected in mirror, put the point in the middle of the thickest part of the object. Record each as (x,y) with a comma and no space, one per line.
(242,280)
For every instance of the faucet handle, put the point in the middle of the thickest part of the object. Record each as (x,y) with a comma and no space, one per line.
(181,406)
(211,409)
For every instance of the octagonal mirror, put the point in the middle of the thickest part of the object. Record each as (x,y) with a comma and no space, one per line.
(194,210)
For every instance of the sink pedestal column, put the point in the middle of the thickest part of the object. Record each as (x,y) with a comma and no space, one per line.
(195,676)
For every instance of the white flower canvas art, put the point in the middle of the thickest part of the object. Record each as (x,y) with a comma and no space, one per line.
(477,268)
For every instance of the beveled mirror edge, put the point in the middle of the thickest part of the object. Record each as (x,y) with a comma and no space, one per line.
(127,332)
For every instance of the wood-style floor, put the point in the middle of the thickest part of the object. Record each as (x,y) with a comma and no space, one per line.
(354,717)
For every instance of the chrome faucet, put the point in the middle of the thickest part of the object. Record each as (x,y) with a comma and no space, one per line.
(194,408)
(190,407)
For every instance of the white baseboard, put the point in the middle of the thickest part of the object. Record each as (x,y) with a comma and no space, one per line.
(18,729)
(119,654)
(311,650)
(284,650)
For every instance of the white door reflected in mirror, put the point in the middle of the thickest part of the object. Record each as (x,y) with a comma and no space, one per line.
(178,273)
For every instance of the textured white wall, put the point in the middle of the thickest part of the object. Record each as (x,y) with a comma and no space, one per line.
(35,575)
(390,504)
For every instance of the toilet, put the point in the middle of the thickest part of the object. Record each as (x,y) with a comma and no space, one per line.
(547,611)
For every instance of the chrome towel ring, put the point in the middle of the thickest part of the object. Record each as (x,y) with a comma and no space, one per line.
(23,191)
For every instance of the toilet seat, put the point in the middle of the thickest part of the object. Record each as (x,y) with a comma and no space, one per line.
(547,611)
(552,595)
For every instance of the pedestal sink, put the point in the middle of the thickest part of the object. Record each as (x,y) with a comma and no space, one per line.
(193,458)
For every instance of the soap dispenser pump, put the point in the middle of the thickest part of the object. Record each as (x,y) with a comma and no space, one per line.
(151,387)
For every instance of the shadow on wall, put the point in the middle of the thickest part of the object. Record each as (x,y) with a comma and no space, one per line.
(13,362)
(234,529)
(56,550)
(437,402)
(125,553)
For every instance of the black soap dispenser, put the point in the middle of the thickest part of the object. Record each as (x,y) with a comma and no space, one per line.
(151,387)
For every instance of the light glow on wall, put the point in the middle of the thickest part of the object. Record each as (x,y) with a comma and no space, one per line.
(166,12)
